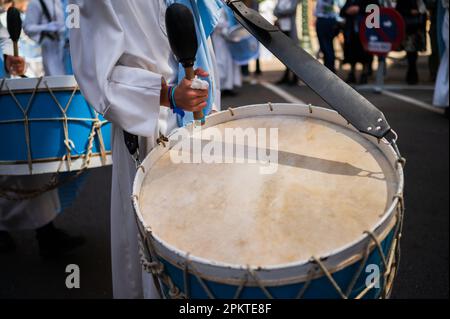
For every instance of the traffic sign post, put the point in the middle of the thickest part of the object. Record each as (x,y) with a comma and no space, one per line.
(383,39)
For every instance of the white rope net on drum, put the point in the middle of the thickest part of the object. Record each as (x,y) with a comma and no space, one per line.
(15,194)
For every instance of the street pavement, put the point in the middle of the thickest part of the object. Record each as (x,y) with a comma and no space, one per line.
(423,140)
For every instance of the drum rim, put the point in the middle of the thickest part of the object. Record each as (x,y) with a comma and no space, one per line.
(55,164)
(66,82)
(335,257)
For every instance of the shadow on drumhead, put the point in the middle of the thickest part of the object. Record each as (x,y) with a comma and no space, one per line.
(297,160)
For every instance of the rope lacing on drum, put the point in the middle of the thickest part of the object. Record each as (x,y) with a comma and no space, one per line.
(199,279)
(26,119)
(64,119)
(241,287)
(329,276)
(156,269)
(14,194)
(318,267)
(305,286)
(162,140)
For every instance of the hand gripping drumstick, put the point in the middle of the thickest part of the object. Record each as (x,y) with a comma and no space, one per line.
(14,23)
(183,41)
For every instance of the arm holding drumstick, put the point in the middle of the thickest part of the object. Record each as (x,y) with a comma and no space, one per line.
(14,64)
(184,43)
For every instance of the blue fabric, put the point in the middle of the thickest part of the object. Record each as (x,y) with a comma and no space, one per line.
(247,48)
(2,65)
(230,17)
(68,193)
(206,15)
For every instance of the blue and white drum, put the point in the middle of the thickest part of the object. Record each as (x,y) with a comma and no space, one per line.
(243,46)
(48,127)
(325,223)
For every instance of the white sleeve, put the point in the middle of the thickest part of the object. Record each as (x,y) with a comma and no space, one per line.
(6,45)
(129,97)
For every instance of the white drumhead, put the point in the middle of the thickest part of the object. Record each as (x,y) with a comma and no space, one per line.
(331,185)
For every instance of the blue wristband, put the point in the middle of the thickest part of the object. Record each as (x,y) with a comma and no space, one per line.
(175,108)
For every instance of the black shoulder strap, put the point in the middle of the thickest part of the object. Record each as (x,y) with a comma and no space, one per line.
(45,10)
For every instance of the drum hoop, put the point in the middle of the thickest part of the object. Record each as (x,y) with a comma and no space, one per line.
(333,260)
(50,159)
(48,166)
(56,83)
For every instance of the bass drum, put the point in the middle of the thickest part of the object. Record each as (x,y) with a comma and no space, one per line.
(319,218)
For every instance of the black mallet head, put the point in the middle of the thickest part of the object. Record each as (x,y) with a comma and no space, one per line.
(14,22)
(182,34)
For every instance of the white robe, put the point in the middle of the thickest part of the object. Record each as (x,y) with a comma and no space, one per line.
(52,50)
(230,71)
(119,54)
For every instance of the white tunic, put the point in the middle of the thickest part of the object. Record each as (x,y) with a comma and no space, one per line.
(120,53)
(36,22)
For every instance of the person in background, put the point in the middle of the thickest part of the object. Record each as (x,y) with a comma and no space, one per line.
(254,4)
(28,48)
(286,13)
(44,23)
(440,98)
(326,26)
(353,12)
(229,71)
(414,14)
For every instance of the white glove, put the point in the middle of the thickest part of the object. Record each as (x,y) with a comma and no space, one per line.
(54,27)
(199,84)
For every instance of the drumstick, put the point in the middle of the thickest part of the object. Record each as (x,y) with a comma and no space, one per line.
(183,41)
(14,23)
